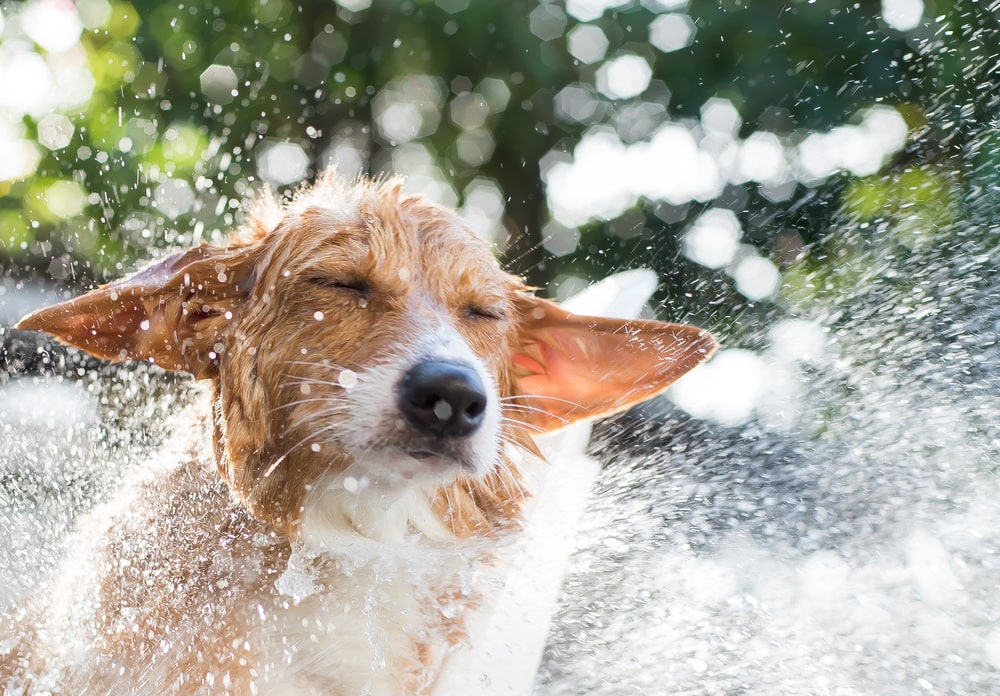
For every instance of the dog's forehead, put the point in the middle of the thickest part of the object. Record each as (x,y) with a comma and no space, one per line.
(413,238)
(438,232)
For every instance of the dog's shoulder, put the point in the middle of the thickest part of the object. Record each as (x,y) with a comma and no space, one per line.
(173,556)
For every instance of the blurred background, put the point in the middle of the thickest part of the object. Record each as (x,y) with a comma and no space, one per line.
(715,142)
(752,154)
(814,180)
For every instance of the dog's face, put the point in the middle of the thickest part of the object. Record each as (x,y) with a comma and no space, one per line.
(367,341)
(390,345)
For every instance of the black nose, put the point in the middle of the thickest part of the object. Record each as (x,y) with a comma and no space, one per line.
(443,398)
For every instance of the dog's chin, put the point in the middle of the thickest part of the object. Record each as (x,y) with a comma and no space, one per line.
(417,466)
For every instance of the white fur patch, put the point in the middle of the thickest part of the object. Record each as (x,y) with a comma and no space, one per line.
(384,626)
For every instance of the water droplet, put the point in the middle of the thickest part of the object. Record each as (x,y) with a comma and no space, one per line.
(348,379)
(318,315)
(443,410)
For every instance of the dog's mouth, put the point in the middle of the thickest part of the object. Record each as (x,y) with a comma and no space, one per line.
(420,463)
(438,458)
(424,454)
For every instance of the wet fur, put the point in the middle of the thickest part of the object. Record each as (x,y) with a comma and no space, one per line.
(291,546)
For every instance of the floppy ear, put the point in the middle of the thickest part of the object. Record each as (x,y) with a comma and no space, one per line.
(172,313)
(570,367)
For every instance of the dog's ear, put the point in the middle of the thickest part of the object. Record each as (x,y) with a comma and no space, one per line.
(570,367)
(171,313)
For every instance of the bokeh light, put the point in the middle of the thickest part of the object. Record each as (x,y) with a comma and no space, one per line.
(218,83)
(587,43)
(714,238)
(282,163)
(903,15)
(624,76)
(672,32)
(55,131)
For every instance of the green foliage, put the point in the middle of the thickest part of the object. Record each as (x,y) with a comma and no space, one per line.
(187,99)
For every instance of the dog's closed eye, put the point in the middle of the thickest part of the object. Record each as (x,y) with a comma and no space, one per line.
(484,311)
(352,284)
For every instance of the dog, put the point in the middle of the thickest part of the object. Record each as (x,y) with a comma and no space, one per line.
(376,380)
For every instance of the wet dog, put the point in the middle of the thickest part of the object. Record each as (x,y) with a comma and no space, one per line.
(376,380)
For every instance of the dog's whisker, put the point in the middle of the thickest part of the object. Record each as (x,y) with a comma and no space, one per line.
(294,380)
(299,402)
(452,512)
(548,414)
(531,427)
(323,363)
(502,473)
(317,436)
(543,397)
(526,408)
(468,488)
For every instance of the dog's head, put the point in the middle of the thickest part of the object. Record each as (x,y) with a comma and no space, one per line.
(368,341)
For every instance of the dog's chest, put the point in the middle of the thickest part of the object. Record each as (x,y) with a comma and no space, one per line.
(366,619)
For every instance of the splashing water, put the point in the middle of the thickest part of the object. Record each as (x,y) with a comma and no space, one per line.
(853,551)
(850,548)
(841,539)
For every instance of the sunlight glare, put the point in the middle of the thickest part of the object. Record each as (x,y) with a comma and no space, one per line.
(713,239)
(756,278)
(282,163)
(587,43)
(55,26)
(671,32)
(903,15)
(587,10)
(727,389)
(624,77)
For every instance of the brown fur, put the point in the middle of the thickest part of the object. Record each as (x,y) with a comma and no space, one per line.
(243,317)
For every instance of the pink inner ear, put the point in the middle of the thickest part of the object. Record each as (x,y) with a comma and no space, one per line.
(144,317)
(93,322)
(572,368)
(560,371)
(106,334)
